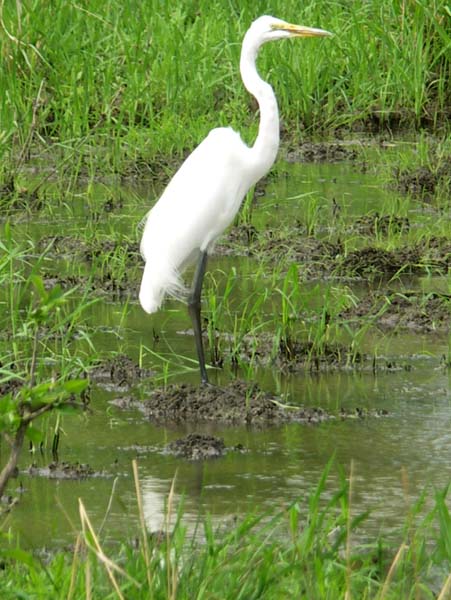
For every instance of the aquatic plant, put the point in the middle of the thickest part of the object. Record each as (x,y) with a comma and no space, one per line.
(309,549)
(38,373)
(117,89)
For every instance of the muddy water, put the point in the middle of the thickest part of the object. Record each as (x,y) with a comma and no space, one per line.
(394,457)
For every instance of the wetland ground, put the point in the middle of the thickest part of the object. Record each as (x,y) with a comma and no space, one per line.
(326,305)
(326,320)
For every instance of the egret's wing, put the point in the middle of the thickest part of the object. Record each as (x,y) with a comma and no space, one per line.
(201,199)
(197,205)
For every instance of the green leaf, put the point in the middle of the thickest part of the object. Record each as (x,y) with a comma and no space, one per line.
(39,286)
(75,386)
(35,435)
(20,556)
(7,403)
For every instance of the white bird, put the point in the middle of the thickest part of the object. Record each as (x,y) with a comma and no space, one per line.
(204,195)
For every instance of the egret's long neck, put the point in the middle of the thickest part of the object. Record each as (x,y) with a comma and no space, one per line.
(267,142)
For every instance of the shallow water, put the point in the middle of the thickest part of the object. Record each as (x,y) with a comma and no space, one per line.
(394,457)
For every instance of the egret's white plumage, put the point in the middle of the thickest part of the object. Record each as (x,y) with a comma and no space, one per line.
(200,201)
(205,194)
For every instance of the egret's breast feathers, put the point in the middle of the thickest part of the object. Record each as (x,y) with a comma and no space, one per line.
(201,199)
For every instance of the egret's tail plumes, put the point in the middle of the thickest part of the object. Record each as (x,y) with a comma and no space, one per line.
(156,283)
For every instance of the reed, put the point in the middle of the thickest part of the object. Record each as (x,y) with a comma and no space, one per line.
(312,548)
(105,87)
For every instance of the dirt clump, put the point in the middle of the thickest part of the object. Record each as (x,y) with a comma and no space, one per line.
(105,283)
(196,446)
(239,240)
(407,310)
(322,152)
(417,182)
(374,224)
(316,255)
(67,282)
(294,355)
(291,355)
(438,253)
(237,403)
(423,181)
(319,257)
(372,261)
(12,198)
(418,314)
(119,371)
(65,245)
(10,386)
(105,248)
(62,470)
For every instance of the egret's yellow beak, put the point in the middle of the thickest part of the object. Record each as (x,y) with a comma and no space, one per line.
(301,31)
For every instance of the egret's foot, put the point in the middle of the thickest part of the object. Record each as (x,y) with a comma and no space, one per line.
(207,384)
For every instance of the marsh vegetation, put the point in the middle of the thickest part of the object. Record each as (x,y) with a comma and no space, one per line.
(330,293)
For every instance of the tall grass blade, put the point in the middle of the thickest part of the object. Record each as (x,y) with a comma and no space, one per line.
(144,538)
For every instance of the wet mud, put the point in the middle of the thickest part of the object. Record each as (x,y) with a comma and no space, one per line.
(63,470)
(424,181)
(323,152)
(407,310)
(374,262)
(98,260)
(376,224)
(196,446)
(290,355)
(238,403)
(318,257)
(58,246)
(19,199)
(118,372)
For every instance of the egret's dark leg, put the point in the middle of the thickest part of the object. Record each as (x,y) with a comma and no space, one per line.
(194,311)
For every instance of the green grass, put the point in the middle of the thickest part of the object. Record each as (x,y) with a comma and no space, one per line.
(116,89)
(108,86)
(313,548)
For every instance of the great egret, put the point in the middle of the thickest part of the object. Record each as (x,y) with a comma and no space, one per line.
(205,194)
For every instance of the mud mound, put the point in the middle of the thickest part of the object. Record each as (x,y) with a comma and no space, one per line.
(62,244)
(316,255)
(67,282)
(376,224)
(105,248)
(197,446)
(62,470)
(120,371)
(408,311)
(19,199)
(105,283)
(291,355)
(376,261)
(322,152)
(237,403)
(238,240)
(438,253)
(423,181)
(294,355)
(320,257)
